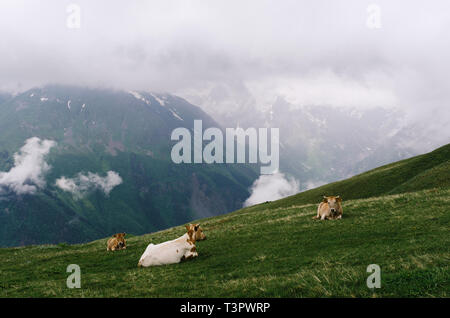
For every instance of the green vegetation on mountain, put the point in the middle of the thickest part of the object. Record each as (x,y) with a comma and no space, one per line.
(101,130)
(395,216)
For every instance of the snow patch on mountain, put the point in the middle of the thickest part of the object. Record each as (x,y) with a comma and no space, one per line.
(139,97)
(159,100)
(175,114)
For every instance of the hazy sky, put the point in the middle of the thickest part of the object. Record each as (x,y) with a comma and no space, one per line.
(309,52)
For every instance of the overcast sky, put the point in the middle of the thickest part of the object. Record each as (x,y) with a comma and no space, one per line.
(309,52)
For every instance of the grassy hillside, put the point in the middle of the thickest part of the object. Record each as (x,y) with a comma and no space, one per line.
(421,172)
(397,218)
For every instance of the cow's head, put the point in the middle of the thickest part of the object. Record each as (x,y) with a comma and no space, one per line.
(195,232)
(333,203)
(120,237)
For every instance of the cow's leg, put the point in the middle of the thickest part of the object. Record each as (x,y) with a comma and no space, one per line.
(191,253)
(318,214)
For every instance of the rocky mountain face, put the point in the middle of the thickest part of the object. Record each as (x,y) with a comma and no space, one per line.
(77,164)
(322,144)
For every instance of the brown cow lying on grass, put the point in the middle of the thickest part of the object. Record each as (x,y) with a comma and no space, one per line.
(117,242)
(330,208)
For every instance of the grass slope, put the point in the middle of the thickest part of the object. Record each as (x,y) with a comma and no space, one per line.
(417,173)
(276,249)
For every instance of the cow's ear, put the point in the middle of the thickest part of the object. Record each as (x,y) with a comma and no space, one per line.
(196,227)
(115,235)
(123,234)
(339,198)
(325,199)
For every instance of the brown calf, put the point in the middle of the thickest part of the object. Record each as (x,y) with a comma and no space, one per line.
(330,208)
(117,242)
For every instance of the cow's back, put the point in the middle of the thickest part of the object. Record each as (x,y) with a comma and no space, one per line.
(169,252)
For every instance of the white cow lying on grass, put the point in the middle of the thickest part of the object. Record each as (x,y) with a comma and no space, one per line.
(174,251)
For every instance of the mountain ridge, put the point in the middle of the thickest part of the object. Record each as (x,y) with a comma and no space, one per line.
(97,131)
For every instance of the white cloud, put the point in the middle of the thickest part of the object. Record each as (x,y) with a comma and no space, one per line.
(312,184)
(308,52)
(82,184)
(28,173)
(272,187)
(325,87)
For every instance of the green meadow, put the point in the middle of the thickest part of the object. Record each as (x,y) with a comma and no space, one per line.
(396,216)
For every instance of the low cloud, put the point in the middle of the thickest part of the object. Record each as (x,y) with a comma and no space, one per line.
(272,187)
(28,173)
(83,184)
(312,184)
